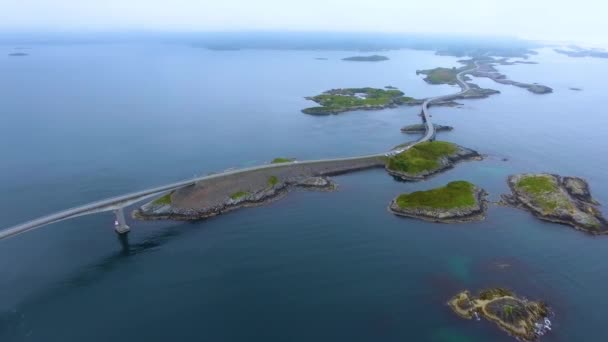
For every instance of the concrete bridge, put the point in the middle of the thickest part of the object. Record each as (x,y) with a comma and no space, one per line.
(118,203)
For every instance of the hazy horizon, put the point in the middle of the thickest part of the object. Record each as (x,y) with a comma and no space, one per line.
(541,20)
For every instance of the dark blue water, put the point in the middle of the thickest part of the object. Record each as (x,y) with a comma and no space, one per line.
(83,122)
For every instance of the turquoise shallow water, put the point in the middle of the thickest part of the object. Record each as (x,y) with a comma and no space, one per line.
(83,122)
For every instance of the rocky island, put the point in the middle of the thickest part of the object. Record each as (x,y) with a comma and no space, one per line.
(458,201)
(519,317)
(373,58)
(426,159)
(565,200)
(336,101)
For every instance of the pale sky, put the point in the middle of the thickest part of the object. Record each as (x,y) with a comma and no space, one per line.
(564,20)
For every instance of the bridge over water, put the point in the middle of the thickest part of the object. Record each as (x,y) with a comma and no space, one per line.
(118,203)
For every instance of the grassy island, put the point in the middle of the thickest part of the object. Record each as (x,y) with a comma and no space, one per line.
(558,199)
(458,201)
(372,58)
(342,100)
(427,158)
(281,160)
(521,318)
(440,75)
(456,194)
(422,157)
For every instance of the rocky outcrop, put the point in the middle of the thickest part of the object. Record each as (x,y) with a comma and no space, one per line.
(568,202)
(476,212)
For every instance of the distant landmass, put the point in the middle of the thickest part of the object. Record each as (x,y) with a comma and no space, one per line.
(18,54)
(576,51)
(372,58)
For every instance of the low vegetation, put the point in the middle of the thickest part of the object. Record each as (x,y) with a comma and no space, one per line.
(281,160)
(544,191)
(457,194)
(422,157)
(272,181)
(340,100)
(239,194)
(164,200)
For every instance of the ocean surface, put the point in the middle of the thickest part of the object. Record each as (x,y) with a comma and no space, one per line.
(84,122)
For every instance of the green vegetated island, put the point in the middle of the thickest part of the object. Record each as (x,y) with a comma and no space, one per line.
(372,58)
(336,101)
(519,317)
(426,159)
(557,199)
(458,201)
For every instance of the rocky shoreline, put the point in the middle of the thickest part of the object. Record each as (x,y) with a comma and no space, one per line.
(445,163)
(165,211)
(568,202)
(476,212)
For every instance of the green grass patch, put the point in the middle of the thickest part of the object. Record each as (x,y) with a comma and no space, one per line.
(273,180)
(537,184)
(458,194)
(545,192)
(164,200)
(239,194)
(422,157)
(281,160)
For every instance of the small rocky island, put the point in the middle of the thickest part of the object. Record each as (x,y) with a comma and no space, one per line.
(426,159)
(373,58)
(336,101)
(421,128)
(458,201)
(519,317)
(565,200)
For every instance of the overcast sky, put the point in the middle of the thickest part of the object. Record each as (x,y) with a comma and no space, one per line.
(576,20)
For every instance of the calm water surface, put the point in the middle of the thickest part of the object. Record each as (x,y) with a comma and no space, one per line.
(83,122)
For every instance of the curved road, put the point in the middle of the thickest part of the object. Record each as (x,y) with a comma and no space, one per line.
(122,201)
